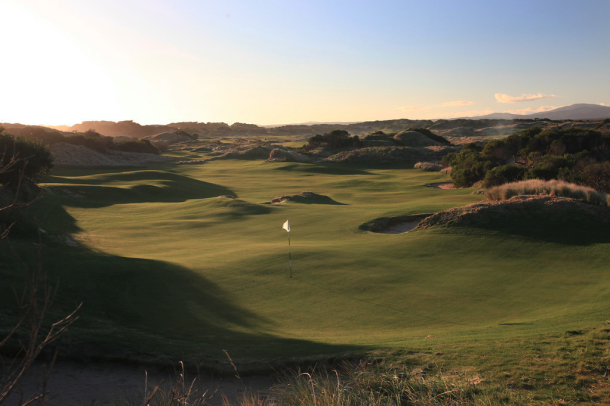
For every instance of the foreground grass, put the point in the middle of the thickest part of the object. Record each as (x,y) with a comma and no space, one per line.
(564,369)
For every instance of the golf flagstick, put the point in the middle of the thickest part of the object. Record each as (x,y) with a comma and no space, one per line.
(286,227)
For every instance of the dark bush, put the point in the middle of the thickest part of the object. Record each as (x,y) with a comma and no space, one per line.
(44,135)
(468,167)
(547,166)
(498,151)
(503,174)
(336,139)
(31,158)
(471,146)
(141,146)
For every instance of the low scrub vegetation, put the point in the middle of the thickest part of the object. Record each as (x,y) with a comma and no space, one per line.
(89,139)
(429,166)
(22,159)
(336,139)
(551,187)
(575,155)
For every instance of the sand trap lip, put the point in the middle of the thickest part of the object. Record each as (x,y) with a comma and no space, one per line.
(394,225)
(442,185)
(401,228)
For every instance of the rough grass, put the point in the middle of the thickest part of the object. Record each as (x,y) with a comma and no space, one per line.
(548,187)
(394,387)
(429,166)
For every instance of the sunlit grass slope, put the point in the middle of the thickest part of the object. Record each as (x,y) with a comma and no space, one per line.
(192,259)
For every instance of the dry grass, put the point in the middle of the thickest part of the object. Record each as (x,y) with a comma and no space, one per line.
(394,387)
(429,166)
(549,187)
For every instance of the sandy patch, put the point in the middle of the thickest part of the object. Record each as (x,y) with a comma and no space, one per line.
(401,228)
(442,185)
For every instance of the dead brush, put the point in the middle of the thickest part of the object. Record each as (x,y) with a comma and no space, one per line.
(182,392)
(429,166)
(358,386)
(548,187)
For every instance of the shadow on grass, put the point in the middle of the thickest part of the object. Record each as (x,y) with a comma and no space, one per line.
(570,228)
(170,187)
(323,168)
(141,310)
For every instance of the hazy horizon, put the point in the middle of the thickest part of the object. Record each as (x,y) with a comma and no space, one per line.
(271,63)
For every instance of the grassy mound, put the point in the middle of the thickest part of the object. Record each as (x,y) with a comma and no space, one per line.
(304,197)
(414,139)
(550,218)
(382,223)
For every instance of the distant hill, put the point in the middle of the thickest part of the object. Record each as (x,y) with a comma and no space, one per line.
(581,111)
(117,129)
(310,123)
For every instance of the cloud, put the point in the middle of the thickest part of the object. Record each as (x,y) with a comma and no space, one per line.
(603,104)
(504,98)
(457,103)
(530,110)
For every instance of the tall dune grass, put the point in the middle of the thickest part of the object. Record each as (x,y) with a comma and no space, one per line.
(429,166)
(397,387)
(548,187)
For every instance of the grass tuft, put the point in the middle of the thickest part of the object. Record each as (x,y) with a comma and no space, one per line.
(390,387)
(429,166)
(548,187)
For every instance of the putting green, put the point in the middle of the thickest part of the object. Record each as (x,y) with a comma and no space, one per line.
(167,262)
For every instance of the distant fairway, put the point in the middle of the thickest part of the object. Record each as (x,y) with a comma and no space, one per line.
(165,265)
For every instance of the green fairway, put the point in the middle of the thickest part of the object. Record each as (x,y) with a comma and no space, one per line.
(192,260)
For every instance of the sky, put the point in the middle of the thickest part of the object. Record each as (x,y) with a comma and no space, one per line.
(294,61)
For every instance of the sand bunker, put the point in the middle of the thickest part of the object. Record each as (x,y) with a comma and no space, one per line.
(401,228)
(394,225)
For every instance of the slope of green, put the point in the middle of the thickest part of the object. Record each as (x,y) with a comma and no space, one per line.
(192,260)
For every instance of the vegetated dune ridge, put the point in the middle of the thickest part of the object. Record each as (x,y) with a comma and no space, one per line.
(391,155)
(534,206)
(69,155)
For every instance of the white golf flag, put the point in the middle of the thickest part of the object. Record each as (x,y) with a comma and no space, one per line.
(286,226)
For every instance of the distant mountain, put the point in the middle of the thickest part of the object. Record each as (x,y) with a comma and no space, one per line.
(581,111)
(310,123)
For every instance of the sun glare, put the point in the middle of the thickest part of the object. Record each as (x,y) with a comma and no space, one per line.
(48,77)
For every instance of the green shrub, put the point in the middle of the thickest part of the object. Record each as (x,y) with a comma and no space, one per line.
(468,167)
(503,174)
(547,167)
(471,146)
(336,139)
